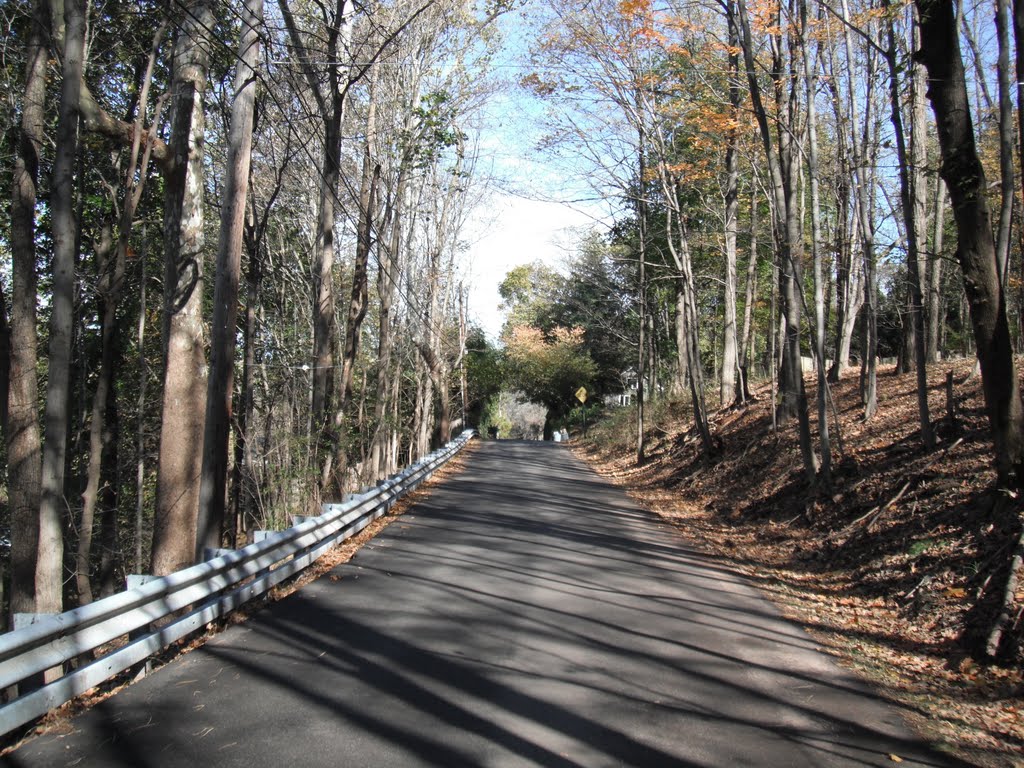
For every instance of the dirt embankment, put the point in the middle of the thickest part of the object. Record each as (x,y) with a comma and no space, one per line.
(889,567)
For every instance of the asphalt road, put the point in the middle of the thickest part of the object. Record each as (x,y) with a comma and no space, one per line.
(526,613)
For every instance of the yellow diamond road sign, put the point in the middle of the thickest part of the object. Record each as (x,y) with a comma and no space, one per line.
(581,394)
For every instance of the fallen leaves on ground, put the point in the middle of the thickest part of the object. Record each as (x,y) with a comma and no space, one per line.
(884,567)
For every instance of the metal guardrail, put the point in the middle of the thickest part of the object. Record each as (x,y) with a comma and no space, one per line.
(187,599)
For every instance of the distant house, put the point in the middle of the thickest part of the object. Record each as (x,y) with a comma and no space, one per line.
(627,396)
(620,400)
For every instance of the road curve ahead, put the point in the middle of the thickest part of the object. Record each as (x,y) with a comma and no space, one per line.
(525,614)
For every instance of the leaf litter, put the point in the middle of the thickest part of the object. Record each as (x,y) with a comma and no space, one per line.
(886,569)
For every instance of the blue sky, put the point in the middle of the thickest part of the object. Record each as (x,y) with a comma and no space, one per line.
(524,217)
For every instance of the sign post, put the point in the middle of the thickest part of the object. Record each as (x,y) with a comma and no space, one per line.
(581,395)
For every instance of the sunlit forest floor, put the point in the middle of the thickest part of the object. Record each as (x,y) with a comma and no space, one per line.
(887,567)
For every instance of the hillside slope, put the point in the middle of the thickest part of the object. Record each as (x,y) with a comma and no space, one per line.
(889,567)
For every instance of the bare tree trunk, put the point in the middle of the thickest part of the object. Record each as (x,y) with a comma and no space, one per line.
(730,359)
(111,276)
(5,363)
(443,432)
(1017,20)
(108,500)
(463,377)
(976,249)
(682,367)
(1006,141)
(393,448)
(787,228)
(330,97)
(220,390)
(24,457)
(641,215)
(359,300)
(50,564)
(912,202)
(387,270)
(820,328)
(686,307)
(184,401)
(935,321)
(102,438)
(696,375)
(750,292)
(242,481)
(849,284)
(140,430)
(424,411)
(848,275)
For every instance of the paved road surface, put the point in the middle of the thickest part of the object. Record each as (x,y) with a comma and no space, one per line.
(525,614)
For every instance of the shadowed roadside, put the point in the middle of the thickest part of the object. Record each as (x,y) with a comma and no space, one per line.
(527,613)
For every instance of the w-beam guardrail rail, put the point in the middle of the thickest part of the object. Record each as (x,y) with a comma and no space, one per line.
(187,599)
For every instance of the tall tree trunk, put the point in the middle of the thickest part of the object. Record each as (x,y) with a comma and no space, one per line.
(1006,141)
(111,276)
(140,409)
(976,249)
(687,324)
(423,412)
(387,271)
(641,215)
(1017,20)
(220,389)
(463,375)
(359,299)
(243,479)
(789,241)
(849,295)
(102,438)
(50,563)
(750,292)
(935,321)
(912,203)
(5,361)
(820,328)
(179,466)
(730,359)
(24,458)
(330,97)
(864,189)
(108,499)
(358,303)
